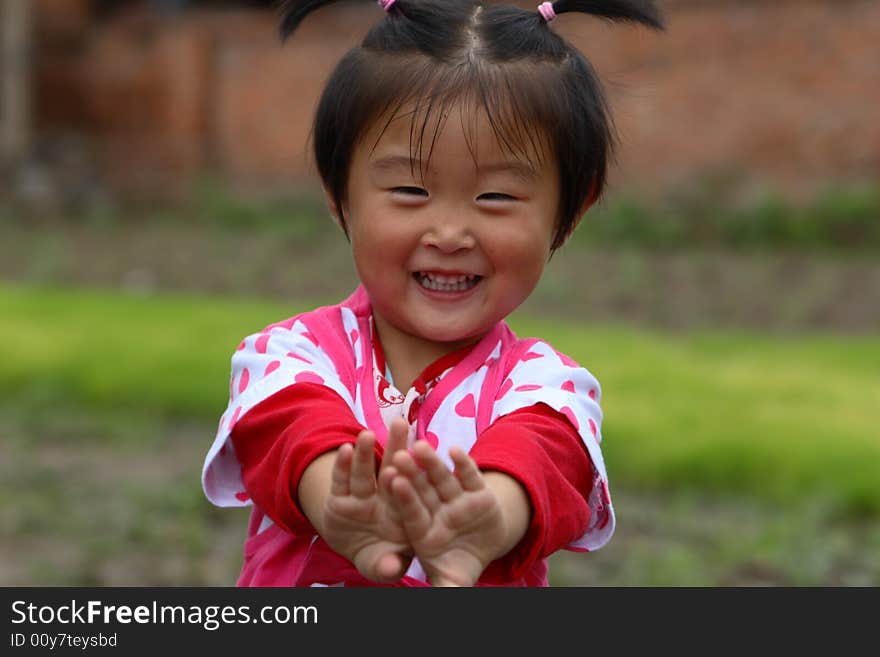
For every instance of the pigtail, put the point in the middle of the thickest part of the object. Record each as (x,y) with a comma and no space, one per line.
(294,11)
(633,11)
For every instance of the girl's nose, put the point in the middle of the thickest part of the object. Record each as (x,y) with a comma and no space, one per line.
(449,237)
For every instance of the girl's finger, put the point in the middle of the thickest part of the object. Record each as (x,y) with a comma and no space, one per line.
(362,481)
(414,517)
(466,471)
(386,476)
(397,434)
(418,478)
(341,471)
(391,566)
(440,476)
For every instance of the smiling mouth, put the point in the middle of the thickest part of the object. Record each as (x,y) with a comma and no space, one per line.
(446,283)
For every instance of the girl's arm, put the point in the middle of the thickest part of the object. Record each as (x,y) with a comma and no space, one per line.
(280,438)
(516,509)
(314,488)
(542,452)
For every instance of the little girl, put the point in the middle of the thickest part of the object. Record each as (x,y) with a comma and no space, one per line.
(406,436)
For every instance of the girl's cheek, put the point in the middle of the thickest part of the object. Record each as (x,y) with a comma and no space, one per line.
(519,243)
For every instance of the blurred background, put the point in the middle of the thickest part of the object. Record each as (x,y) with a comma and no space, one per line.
(158,202)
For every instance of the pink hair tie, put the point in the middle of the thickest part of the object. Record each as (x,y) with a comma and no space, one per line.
(545,9)
(385,4)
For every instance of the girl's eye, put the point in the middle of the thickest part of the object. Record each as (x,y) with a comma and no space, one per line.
(494,196)
(410,191)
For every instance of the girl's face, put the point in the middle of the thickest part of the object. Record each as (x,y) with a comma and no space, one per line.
(444,259)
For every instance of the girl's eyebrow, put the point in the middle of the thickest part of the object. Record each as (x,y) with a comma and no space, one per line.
(518,168)
(394,161)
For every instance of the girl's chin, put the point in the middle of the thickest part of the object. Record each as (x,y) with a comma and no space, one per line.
(438,324)
(449,334)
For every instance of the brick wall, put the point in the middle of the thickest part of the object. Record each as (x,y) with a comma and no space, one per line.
(784,92)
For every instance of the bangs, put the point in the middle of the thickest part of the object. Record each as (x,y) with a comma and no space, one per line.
(518,105)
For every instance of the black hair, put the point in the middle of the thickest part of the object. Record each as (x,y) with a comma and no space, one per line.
(539,92)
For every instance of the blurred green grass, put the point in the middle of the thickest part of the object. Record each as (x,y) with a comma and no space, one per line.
(785,418)
(713,210)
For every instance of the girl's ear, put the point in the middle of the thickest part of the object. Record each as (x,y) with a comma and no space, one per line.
(592,197)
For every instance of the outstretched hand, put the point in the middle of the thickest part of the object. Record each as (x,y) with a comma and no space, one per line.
(360,519)
(453,520)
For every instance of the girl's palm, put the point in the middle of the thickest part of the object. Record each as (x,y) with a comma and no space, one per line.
(360,522)
(453,520)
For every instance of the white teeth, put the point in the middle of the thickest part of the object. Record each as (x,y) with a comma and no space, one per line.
(443,283)
(446,280)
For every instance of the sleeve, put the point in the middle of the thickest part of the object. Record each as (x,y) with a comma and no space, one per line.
(264,363)
(541,450)
(541,375)
(280,437)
